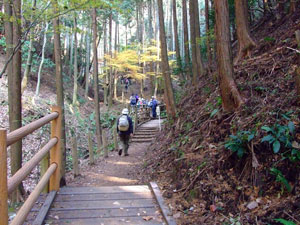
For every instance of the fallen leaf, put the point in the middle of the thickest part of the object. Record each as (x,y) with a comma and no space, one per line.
(177,215)
(252,205)
(213,208)
(147,218)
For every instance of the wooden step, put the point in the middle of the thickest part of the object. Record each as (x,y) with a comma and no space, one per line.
(115,205)
(143,136)
(142,140)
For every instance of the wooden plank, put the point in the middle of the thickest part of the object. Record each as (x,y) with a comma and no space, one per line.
(44,209)
(107,221)
(99,197)
(164,209)
(107,203)
(94,208)
(103,213)
(106,189)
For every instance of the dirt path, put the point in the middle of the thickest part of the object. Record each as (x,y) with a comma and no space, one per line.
(115,170)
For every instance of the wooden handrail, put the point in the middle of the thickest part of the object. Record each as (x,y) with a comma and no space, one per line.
(52,174)
(28,204)
(22,173)
(18,134)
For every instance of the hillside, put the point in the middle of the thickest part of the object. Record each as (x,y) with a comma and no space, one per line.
(208,184)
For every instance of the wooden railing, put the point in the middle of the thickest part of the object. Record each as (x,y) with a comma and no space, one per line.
(52,175)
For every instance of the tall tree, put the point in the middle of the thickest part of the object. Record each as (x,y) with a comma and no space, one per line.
(186,37)
(87,59)
(207,35)
(96,85)
(110,102)
(12,36)
(30,52)
(200,65)
(169,95)
(231,98)
(176,39)
(195,68)
(75,87)
(106,78)
(59,83)
(37,91)
(245,42)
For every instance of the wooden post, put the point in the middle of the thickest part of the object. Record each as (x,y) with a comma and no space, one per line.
(91,149)
(44,166)
(104,141)
(3,178)
(75,156)
(56,153)
(116,145)
(135,119)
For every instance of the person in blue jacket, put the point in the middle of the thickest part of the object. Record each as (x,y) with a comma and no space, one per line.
(153,106)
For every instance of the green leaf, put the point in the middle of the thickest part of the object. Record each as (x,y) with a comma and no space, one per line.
(250,137)
(268,138)
(285,222)
(276,146)
(266,128)
(240,152)
(214,112)
(291,127)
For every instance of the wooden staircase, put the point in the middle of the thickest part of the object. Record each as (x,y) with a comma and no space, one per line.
(144,134)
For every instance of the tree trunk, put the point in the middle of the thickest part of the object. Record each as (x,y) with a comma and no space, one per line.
(186,38)
(116,52)
(110,69)
(30,53)
(96,86)
(13,36)
(231,98)
(195,69)
(59,84)
(200,65)
(106,78)
(87,60)
(169,96)
(293,4)
(209,60)
(37,91)
(245,42)
(176,39)
(75,88)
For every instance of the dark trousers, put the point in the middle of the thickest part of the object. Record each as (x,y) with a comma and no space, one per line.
(154,112)
(124,139)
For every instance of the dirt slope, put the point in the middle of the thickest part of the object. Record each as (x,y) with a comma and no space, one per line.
(208,184)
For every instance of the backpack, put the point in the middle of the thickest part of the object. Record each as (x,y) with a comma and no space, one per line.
(132,100)
(123,123)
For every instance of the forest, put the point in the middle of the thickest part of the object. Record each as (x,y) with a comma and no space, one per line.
(226,74)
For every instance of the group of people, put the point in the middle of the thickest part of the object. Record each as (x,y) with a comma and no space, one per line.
(135,101)
(125,124)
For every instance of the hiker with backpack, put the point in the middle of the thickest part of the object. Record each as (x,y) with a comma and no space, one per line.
(132,102)
(153,106)
(125,130)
